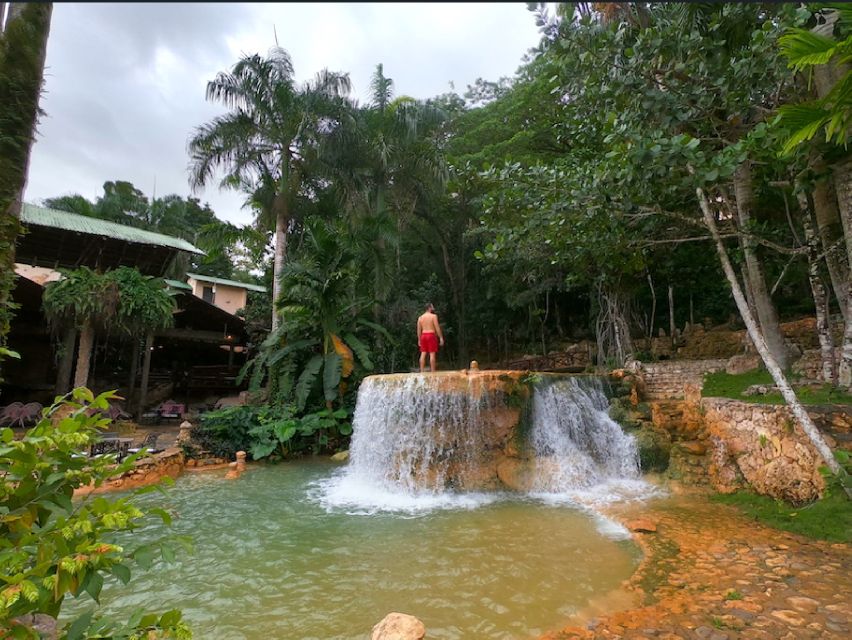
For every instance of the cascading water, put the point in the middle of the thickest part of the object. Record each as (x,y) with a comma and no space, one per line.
(422,441)
(575,442)
(412,437)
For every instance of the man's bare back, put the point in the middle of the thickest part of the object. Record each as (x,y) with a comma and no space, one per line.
(428,335)
(427,322)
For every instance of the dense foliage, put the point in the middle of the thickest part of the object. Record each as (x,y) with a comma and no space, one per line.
(268,431)
(51,547)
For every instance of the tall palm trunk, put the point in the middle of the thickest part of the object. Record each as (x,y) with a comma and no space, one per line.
(766,314)
(23,46)
(282,224)
(84,355)
(766,355)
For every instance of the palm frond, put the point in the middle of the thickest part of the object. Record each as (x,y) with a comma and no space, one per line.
(332,368)
(360,350)
(804,48)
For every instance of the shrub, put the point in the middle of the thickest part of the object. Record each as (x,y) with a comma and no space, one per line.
(51,546)
(264,431)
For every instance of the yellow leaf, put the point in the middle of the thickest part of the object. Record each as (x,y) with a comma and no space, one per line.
(345,353)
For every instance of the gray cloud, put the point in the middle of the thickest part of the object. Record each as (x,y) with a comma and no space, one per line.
(125,82)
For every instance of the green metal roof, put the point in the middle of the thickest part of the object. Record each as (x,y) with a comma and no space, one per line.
(42,216)
(231,283)
(177,284)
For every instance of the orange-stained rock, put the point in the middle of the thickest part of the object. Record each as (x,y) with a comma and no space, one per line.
(641,525)
(399,626)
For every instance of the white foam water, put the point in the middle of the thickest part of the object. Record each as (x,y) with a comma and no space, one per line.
(578,445)
(414,443)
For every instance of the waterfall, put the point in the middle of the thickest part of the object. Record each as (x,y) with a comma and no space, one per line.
(575,442)
(422,441)
(411,436)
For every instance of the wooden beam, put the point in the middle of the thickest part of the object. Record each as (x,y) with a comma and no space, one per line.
(195,335)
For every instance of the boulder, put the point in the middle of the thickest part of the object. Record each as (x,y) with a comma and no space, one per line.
(742,363)
(399,626)
(340,456)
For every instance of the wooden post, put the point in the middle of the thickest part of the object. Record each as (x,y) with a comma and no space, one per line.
(146,368)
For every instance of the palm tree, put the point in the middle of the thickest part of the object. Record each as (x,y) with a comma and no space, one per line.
(122,299)
(322,315)
(383,163)
(269,141)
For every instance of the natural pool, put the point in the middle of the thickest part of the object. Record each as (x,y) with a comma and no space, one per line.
(271,561)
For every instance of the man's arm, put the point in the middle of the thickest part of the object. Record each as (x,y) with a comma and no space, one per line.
(438,330)
(419,328)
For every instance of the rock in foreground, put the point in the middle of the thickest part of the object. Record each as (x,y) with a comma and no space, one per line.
(399,626)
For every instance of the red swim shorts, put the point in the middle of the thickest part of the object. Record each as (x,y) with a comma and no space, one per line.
(428,342)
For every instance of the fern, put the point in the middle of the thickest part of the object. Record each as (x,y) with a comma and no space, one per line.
(306,381)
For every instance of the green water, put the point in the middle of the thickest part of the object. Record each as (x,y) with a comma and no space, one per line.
(270,562)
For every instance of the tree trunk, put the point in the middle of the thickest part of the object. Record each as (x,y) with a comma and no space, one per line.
(84,355)
(146,370)
(844,375)
(766,355)
(820,294)
(282,223)
(843,186)
(134,366)
(766,314)
(653,310)
(671,316)
(830,232)
(23,46)
(66,361)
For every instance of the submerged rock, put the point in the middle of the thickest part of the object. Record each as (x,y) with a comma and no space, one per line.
(399,626)
(340,456)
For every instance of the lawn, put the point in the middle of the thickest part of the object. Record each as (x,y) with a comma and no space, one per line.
(725,385)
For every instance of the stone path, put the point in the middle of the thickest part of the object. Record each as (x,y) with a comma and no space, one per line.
(712,574)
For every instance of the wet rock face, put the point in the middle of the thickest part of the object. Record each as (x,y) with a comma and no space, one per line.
(399,626)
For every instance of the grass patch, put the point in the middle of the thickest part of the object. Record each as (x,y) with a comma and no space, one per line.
(826,519)
(725,385)
(733,595)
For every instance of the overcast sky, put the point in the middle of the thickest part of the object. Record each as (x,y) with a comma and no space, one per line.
(124,83)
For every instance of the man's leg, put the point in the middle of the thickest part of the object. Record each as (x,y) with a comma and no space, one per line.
(422,361)
(433,361)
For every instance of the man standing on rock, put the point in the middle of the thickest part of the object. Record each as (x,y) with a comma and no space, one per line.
(428,334)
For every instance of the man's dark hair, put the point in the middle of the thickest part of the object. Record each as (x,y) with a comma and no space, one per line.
(430,306)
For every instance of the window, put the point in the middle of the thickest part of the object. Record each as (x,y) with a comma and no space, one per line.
(207,294)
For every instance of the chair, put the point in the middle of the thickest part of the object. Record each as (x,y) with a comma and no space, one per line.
(150,442)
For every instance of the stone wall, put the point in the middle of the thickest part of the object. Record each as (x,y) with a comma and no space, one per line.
(667,380)
(762,447)
(148,470)
(728,444)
